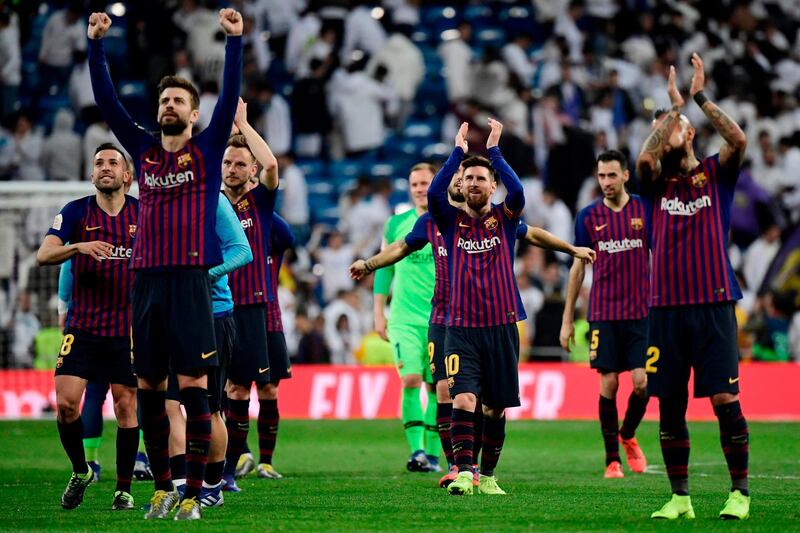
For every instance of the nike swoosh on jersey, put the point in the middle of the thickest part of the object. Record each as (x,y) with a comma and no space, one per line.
(148,160)
(92,228)
(600,228)
(207,355)
(460,225)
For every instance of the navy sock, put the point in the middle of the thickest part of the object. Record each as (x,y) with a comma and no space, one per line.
(462,435)
(198,438)
(127,446)
(443,414)
(609,426)
(238,424)
(735,439)
(637,405)
(268,419)
(494,434)
(155,426)
(71,434)
(674,438)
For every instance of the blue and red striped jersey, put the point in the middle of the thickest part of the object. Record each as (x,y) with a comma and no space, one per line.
(250,284)
(621,273)
(281,240)
(100,289)
(690,223)
(424,232)
(178,191)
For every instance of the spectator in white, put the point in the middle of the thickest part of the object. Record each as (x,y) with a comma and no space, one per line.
(201,26)
(277,17)
(357,102)
(183,64)
(63,34)
(343,329)
(28,142)
(515,54)
(257,52)
(558,219)
(759,256)
(95,135)
(362,31)
(639,48)
(405,67)
(457,54)
(24,327)
(209,92)
(10,62)
(311,117)
(548,128)
(490,80)
(275,122)
(319,49)
(601,116)
(294,192)
(364,221)
(61,148)
(7,155)
(81,96)
(302,32)
(532,301)
(335,259)
(566,25)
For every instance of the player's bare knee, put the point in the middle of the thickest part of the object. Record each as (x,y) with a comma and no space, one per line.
(268,392)
(238,392)
(443,392)
(412,381)
(609,384)
(491,412)
(67,409)
(722,398)
(200,381)
(465,401)
(125,406)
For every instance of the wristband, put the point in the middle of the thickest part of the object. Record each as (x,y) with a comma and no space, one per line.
(700,98)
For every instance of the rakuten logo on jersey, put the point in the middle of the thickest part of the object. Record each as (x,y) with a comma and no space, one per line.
(120,252)
(169,181)
(478,247)
(614,246)
(676,207)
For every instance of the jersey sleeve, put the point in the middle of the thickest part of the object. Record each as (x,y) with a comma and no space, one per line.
(581,235)
(522,231)
(417,238)
(67,221)
(282,236)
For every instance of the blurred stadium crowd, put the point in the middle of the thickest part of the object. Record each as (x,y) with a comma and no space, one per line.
(350,94)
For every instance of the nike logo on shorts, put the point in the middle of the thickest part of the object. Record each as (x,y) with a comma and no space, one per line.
(207,355)
(262,370)
(732,381)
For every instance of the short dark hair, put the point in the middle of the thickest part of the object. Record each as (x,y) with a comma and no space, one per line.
(239,141)
(111,146)
(181,83)
(479,161)
(614,155)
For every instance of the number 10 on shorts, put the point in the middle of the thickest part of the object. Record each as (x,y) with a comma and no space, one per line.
(451,363)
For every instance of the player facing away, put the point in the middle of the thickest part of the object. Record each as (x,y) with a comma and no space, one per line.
(173,322)
(425,232)
(616,227)
(254,205)
(693,291)
(482,342)
(412,284)
(235,253)
(96,234)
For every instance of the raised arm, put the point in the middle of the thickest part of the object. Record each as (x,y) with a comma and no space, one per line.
(219,126)
(731,154)
(576,275)
(648,165)
(387,256)
(544,239)
(236,250)
(515,195)
(130,135)
(259,147)
(438,203)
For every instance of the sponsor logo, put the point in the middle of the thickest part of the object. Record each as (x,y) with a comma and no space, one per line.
(59,361)
(169,181)
(243,206)
(119,253)
(462,225)
(58,221)
(733,380)
(699,180)
(206,355)
(184,160)
(675,206)
(150,161)
(92,228)
(490,223)
(613,246)
(593,355)
(442,251)
(600,228)
(262,370)
(637,223)
(131,229)
(247,223)
(478,246)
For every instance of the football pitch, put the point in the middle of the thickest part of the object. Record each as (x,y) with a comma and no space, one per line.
(350,476)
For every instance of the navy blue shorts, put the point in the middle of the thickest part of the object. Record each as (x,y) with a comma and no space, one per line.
(249,359)
(698,337)
(617,345)
(436,337)
(279,365)
(96,358)
(484,361)
(173,323)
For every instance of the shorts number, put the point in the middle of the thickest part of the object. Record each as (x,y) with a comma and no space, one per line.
(431,349)
(595,339)
(451,364)
(653,354)
(66,344)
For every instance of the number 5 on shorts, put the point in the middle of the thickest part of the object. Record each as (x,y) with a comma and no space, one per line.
(653,354)
(451,364)
(66,344)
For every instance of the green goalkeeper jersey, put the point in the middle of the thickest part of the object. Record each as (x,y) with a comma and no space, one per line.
(414,277)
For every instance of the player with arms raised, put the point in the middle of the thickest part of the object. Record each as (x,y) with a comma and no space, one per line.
(173,323)
(693,291)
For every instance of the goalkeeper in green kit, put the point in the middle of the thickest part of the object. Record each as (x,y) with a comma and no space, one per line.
(412,281)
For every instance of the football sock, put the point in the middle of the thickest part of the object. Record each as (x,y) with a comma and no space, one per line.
(198,438)
(477,421)
(674,438)
(127,443)
(462,435)
(238,424)
(214,473)
(268,419)
(155,425)
(177,465)
(609,427)
(90,447)
(735,439)
(433,446)
(412,418)
(443,413)
(494,434)
(71,434)
(637,405)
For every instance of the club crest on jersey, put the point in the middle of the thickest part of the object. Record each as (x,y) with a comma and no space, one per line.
(184,160)
(699,180)
(637,223)
(490,223)
(243,206)
(131,229)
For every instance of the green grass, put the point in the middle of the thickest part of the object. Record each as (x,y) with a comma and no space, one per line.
(350,476)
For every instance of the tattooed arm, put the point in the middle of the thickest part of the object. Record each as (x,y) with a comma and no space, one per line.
(732,152)
(648,165)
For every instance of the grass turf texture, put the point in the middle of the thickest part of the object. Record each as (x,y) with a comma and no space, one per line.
(351,476)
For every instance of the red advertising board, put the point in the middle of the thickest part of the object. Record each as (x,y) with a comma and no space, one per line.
(547,392)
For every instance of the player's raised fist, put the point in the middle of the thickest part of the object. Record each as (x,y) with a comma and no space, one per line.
(494,135)
(98,25)
(461,137)
(358,269)
(231,21)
